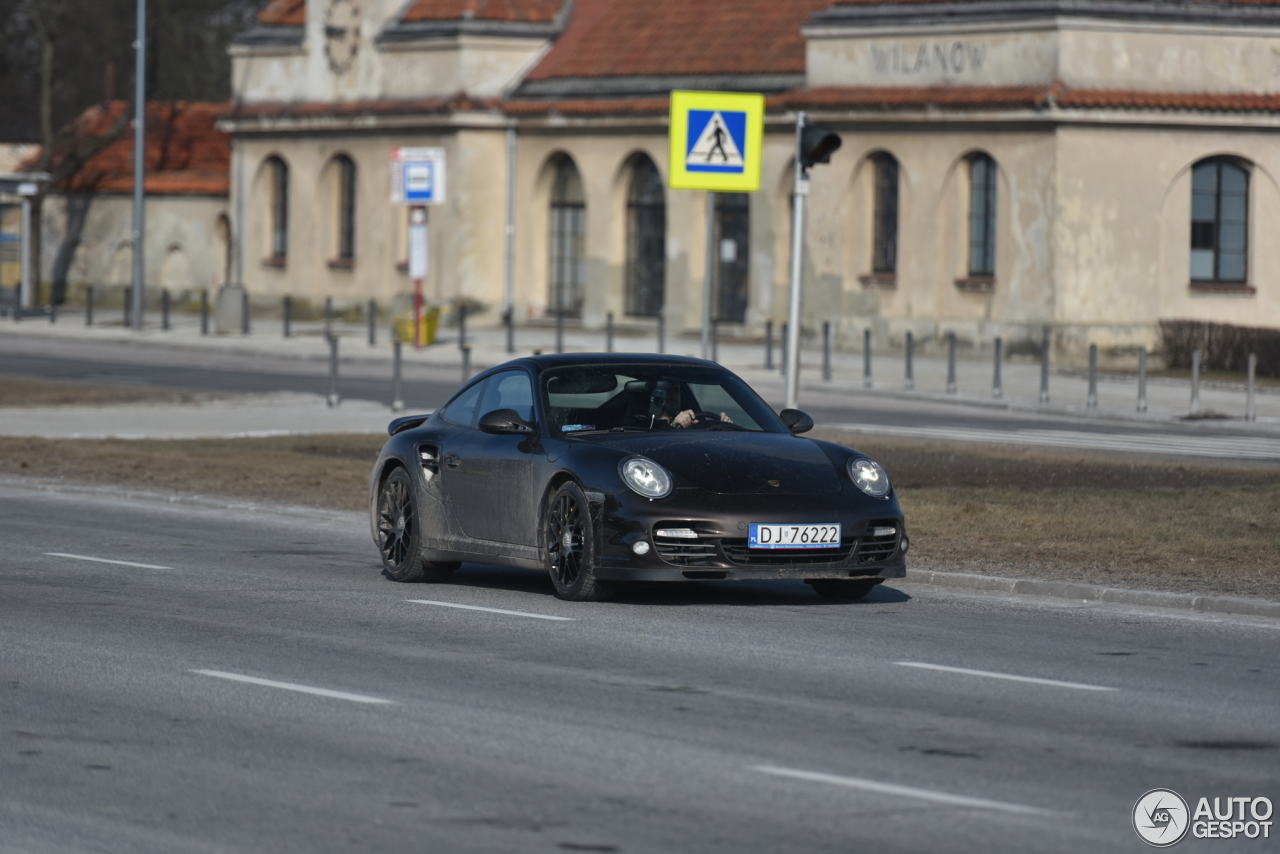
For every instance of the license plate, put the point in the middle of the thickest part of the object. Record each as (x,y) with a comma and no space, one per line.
(764,536)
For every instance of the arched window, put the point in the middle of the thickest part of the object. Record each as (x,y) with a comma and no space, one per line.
(1219,221)
(884,241)
(346,208)
(733,245)
(567,239)
(982,215)
(646,240)
(278,175)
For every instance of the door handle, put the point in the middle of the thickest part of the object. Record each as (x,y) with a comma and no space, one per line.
(452,460)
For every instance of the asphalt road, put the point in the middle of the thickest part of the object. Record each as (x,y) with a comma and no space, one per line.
(249,681)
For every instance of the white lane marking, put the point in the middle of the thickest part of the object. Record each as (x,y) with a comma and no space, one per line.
(899,791)
(489,610)
(1152,443)
(992,675)
(289,686)
(104,560)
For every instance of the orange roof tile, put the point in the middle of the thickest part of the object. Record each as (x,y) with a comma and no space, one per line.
(185,153)
(286,13)
(539,11)
(626,38)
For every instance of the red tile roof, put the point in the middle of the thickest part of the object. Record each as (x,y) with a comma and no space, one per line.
(877,2)
(538,11)
(629,38)
(288,13)
(185,153)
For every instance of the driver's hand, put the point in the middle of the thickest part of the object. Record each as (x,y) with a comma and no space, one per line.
(684,419)
(724,416)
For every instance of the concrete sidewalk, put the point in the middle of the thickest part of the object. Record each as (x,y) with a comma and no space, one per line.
(1168,400)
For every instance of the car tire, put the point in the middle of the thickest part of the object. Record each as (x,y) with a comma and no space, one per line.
(569,546)
(839,590)
(400,536)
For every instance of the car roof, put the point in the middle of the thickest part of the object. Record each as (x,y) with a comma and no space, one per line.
(562,360)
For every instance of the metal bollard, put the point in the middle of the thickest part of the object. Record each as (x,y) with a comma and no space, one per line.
(662,333)
(866,358)
(397,395)
(608,333)
(715,340)
(1091,401)
(910,382)
(462,325)
(164,310)
(288,317)
(768,345)
(204,311)
(333,398)
(951,363)
(328,317)
(997,385)
(559,330)
(1195,381)
(127,291)
(509,320)
(244,312)
(88,306)
(826,351)
(373,323)
(1044,370)
(53,312)
(466,362)
(1250,409)
(1142,379)
(782,359)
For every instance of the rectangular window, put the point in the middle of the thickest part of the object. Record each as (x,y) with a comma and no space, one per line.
(885,239)
(347,210)
(982,216)
(1219,222)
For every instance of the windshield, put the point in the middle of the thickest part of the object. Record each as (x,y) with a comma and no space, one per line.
(619,398)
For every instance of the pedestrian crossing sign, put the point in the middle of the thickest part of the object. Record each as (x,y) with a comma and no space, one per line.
(715,141)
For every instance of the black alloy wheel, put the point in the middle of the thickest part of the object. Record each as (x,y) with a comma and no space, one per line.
(839,590)
(570,546)
(399,536)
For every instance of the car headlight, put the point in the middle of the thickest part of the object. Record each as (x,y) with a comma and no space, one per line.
(645,477)
(868,476)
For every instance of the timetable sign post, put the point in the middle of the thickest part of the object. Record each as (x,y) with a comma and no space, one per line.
(417,176)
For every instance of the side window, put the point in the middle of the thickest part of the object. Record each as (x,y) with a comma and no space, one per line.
(462,409)
(509,390)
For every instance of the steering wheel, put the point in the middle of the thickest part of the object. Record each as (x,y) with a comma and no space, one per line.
(705,417)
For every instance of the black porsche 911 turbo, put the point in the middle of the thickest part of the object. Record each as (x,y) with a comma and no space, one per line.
(605,468)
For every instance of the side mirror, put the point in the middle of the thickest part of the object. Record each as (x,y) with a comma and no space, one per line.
(796,421)
(504,421)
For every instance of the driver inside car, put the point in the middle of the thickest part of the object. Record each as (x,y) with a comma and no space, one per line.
(673,415)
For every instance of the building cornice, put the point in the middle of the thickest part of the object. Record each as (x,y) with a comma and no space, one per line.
(631,87)
(873,15)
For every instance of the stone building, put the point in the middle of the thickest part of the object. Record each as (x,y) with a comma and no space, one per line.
(1009,166)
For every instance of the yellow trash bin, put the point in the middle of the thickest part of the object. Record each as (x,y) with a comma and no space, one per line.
(430,321)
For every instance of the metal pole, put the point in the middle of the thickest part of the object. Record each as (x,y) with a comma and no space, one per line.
(662,335)
(1142,379)
(333,399)
(799,197)
(910,383)
(397,395)
(244,312)
(462,325)
(24,291)
(826,351)
(768,345)
(509,288)
(1195,381)
(866,358)
(164,310)
(559,330)
(782,357)
(715,340)
(17,303)
(53,311)
(1250,409)
(1091,401)
(951,363)
(608,333)
(88,306)
(139,162)
(204,311)
(997,386)
(125,307)
(708,273)
(288,317)
(466,362)
(1044,370)
(373,323)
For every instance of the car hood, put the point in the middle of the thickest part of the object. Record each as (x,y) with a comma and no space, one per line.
(732,463)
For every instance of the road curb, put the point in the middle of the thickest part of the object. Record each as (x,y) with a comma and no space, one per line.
(1096,592)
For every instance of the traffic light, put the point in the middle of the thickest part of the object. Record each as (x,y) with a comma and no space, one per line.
(817,144)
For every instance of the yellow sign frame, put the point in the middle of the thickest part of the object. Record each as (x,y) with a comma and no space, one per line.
(680,177)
